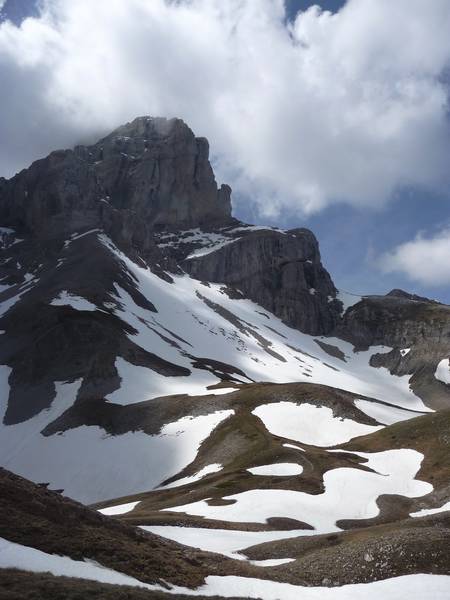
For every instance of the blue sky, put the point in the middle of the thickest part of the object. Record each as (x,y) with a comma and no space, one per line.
(354,235)
(293,6)
(351,240)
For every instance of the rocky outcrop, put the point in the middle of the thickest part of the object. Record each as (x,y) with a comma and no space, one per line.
(417,330)
(281,271)
(395,321)
(147,175)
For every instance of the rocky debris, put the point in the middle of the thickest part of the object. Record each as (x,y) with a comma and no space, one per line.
(369,554)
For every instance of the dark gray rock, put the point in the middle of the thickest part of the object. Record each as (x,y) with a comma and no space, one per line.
(281,271)
(151,174)
(403,321)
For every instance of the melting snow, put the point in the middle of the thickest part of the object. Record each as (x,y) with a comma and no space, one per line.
(349,494)
(271,562)
(310,424)
(431,511)
(228,542)
(294,447)
(76,302)
(442,372)
(277,469)
(24,557)
(119,509)
(383,413)
(240,337)
(413,587)
(140,383)
(213,468)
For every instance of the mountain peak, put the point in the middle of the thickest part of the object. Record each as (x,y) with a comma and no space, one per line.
(151,171)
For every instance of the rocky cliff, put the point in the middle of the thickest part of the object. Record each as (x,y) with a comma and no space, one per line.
(281,271)
(151,177)
(147,175)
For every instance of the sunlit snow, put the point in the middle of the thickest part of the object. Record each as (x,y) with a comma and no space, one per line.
(349,494)
(277,469)
(310,424)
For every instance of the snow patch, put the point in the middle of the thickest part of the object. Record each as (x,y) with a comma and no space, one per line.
(277,469)
(90,465)
(16,556)
(228,542)
(442,372)
(431,511)
(413,587)
(213,468)
(119,509)
(383,413)
(76,302)
(349,494)
(310,424)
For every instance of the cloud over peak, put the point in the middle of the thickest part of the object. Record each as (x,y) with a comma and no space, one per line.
(332,107)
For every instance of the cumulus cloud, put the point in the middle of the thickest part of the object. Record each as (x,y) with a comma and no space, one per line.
(425,259)
(343,107)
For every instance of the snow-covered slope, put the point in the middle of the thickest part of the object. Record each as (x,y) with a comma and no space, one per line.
(220,342)
(208,323)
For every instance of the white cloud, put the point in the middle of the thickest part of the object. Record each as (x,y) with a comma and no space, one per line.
(336,107)
(425,259)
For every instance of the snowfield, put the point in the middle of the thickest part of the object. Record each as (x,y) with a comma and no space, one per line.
(91,465)
(431,511)
(193,320)
(239,333)
(412,587)
(214,468)
(349,494)
(310,424)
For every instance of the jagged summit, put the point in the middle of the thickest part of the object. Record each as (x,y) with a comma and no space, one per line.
(150,174)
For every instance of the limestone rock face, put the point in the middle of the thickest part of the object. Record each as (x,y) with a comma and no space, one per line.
(281,271)
(155,170)
(395,321)
(417,330)
(160,170)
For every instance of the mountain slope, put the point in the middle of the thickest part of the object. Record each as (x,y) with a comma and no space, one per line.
(74,550)
(204,379)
